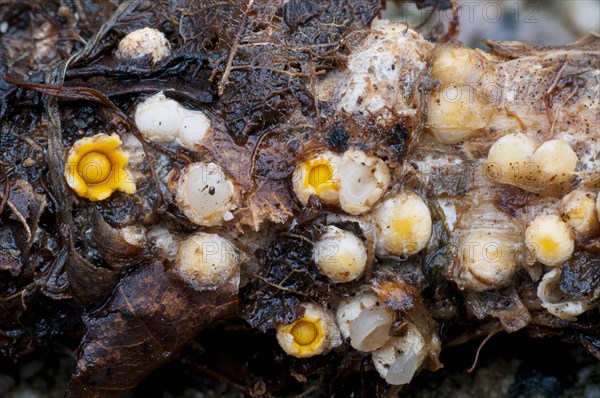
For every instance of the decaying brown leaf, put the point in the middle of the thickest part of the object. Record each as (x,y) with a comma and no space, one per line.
(150,316)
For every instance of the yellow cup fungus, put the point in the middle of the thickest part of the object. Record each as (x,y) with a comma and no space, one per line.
(313,334)
(96,167)
(318,176)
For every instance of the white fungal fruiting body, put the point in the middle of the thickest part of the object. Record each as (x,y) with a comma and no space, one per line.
(194,128)
(363,181)
(556,302)
(206,261)
(134,235)
(318,176)
(455,113)
(340,255)
(206,195)
(162,119)
(313,334)
(509,159)
(400,358)
(462,104)
(350,308)
(145,42)
(513,159)
(355,180)
(549,238)
(556,161)
(578,209)
(377,79)
(403,224)
(371,329)
(488,261)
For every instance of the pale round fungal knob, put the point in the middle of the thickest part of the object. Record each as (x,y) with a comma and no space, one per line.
(161,119)
(403,224)
(313,334)
(206,261)
(363,181)
(549,238)
(578,210)
(371,329)
(455,113)
(401,357)
(195,126)
(509,159)
(556,161)
(455,64)
(318,176)
(488,261)
(350,308)
(158,118)
(463,103)
(144,42)
(340,255)
(206,195)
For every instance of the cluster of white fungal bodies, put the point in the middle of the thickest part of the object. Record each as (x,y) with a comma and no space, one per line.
(206,195)
(465,98)
(206,261)
(144,42)
(162,119)
(463,103)
(355,180)
(381,73)
(515,159)
(364,320)
(377,81)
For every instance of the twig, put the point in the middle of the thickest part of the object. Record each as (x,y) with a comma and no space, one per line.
(234,48)
(6,190)
(488,337)
(312,388)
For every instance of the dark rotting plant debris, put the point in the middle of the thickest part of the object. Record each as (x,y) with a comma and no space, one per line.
(179,204)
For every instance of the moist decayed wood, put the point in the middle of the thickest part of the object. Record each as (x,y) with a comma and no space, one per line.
(67,274)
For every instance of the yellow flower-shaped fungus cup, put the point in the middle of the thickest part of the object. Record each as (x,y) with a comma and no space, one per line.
(303,338)
(96,167)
